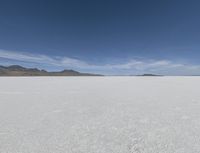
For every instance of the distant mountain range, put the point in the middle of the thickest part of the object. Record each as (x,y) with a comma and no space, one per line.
(16,70)
(149,75)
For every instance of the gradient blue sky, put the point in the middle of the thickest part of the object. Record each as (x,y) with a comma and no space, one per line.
(102,36)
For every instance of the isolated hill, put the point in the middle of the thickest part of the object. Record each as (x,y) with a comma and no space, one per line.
(16,70)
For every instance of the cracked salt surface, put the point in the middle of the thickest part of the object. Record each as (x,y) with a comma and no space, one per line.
(99,115)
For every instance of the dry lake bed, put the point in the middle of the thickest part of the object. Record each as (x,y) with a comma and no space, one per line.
(99,114)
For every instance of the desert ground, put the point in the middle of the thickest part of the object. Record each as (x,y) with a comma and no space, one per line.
(99,114)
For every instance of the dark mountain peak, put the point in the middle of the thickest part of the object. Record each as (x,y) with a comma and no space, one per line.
(71,71)
(15,68)
(43,71)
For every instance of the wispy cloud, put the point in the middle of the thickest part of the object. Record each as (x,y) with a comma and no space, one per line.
(133,66)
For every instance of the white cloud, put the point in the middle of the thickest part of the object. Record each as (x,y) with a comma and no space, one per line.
(133,66)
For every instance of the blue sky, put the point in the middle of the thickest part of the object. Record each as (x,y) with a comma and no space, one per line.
(102,36)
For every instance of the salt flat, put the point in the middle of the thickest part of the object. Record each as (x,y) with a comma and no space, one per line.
(100,114)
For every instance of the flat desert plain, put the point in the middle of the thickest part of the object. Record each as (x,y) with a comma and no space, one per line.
(99,114)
